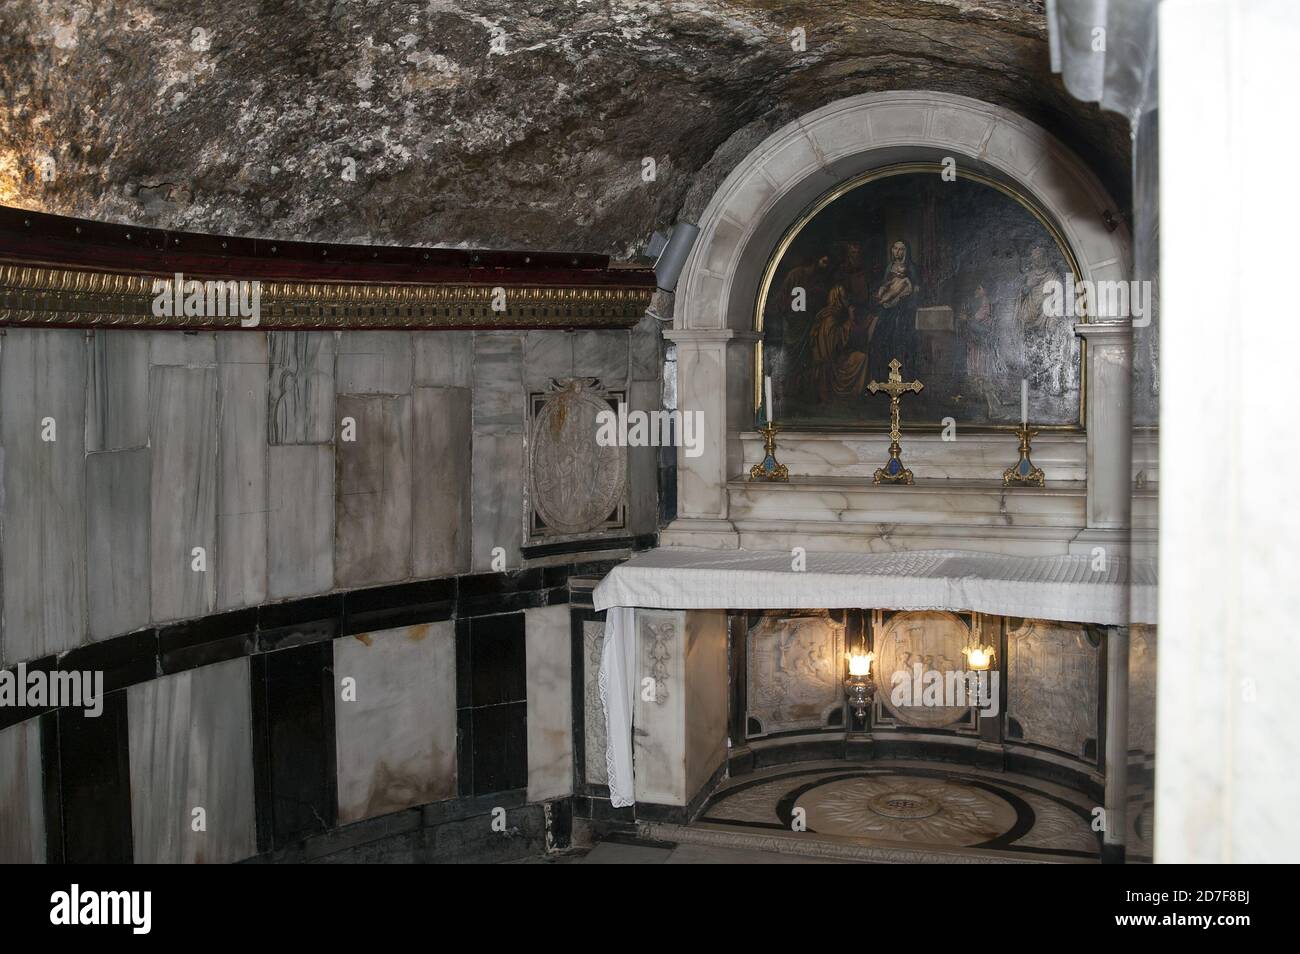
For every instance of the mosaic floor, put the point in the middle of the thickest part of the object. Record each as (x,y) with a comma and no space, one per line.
(913,805)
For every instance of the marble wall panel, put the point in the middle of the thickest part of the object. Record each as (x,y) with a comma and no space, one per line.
(547,355)
(396,739)
(603,355)
(440,481)
(498,505)
(95,784)
(191,747)
(300,403)
(293,742)
(643,466)
(117,390)
(184,349)
(373,503)
(374,362)
(22,806)
(300,523)
(117,541)
(705,667)
(492,703)
(595,736)
(498,382)
(183,485)
(1052,671)
(550,702)
(795,673)
(242,469)
(42,491)
(443,359)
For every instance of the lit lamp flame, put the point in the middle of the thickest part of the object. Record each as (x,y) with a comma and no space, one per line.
(978,658)
(860,664)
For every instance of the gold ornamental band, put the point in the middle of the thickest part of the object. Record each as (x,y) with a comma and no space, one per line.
(39,296)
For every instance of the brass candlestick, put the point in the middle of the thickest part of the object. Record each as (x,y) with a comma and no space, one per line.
(770,468)
(1024,472)
(894,472)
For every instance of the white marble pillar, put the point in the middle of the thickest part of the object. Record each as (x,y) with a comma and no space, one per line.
(714,378)
(1227,749)
(680,703)
(1113,837)
(1108,410)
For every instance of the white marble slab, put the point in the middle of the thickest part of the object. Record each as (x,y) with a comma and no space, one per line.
(191,747)
(549,648)
(117,540)
(300,523)
(374,362)
(22,804)
(300,405)
(186,349)
(498,506)
(242,469)
(373,506)
(498,382)
(603,355)
(42,492)
(443,359)
(440,481)
(183,486)
(396,743)
(117,390)
(547,355)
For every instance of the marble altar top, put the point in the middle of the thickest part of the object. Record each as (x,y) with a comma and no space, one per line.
(1065,587)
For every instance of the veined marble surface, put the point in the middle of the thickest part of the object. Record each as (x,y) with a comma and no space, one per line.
(22,804)
(396,742)
(549,651)
(191,747)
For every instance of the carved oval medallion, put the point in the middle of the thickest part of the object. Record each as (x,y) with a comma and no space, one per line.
(577,483)
(912,645)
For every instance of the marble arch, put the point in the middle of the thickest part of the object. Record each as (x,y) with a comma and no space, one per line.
(744,221)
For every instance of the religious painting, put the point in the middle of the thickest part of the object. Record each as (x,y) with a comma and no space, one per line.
(945,276)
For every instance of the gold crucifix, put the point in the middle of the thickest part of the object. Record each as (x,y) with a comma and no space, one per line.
(894,472)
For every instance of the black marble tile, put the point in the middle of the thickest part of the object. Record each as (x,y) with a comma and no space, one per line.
(498,660)
(209,640)
(52,788)
(293,728)
(485,593)
(465,752)
(124,660)
(406,604)
(500,745)
(464,669)
(285,625)
(95,784)
(18,682)
(576,546)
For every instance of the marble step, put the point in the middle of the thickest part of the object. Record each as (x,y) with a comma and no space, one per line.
(830,847)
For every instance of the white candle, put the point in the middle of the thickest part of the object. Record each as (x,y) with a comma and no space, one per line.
(1024,400)
(767,384)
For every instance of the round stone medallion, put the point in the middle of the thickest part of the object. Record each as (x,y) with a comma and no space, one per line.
(903,805)
(576,482)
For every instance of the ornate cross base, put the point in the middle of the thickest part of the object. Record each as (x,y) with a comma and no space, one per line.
(893,472)
(770,468)
(1024,472)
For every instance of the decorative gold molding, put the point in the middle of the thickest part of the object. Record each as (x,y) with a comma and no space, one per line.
(39,296)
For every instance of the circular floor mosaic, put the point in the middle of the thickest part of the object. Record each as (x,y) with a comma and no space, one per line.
(907,809)
(916,807)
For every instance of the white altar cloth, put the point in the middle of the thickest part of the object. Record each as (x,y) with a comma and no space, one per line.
(1069,588)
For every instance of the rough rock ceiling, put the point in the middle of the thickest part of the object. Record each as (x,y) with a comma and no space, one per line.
(242,117)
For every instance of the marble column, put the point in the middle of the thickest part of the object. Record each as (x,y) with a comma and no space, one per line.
(1113,838)
(1110,451)
(715,380)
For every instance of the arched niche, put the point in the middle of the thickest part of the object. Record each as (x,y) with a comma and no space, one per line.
(713,323)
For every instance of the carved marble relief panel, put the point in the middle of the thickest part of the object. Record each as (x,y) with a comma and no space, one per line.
(577,483)
(1052,672)
(593,712)
(909,645)
(795,673)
